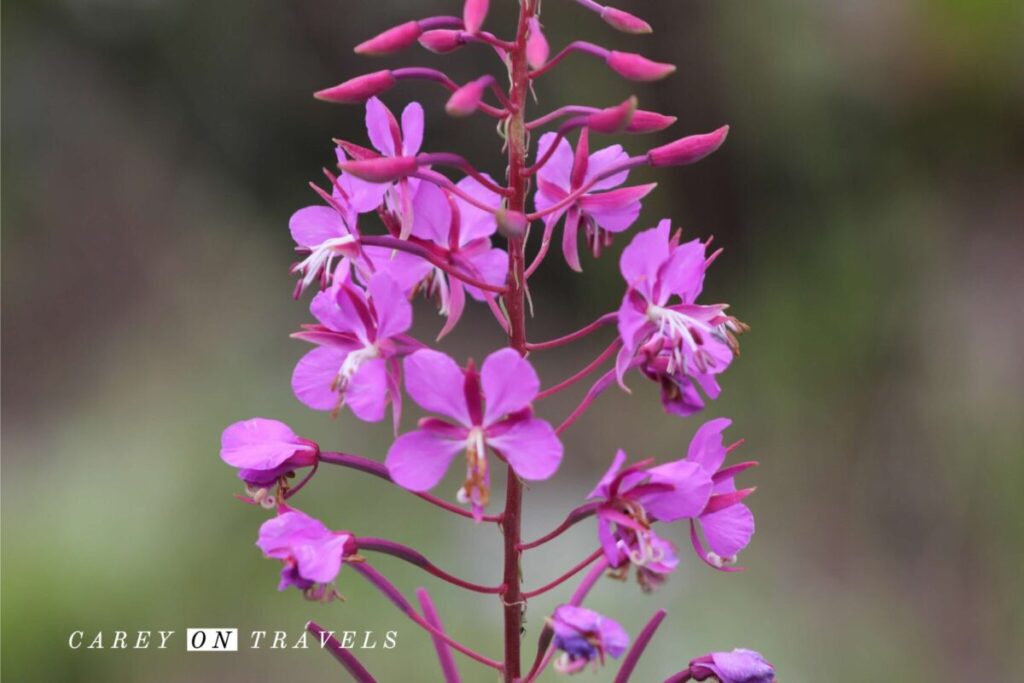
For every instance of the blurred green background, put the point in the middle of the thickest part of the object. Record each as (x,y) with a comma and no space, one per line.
(871,203)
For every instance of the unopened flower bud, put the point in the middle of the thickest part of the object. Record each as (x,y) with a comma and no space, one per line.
(442,40)
(636,67)
(649,122)
(511,224)
(394,39)
(688,150)
(380,169)
(624,21)
(612,119)
(537,49)
(473,14)
(358,89)
(466,99)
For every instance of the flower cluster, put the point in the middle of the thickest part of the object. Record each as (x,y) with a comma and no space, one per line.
(392,224)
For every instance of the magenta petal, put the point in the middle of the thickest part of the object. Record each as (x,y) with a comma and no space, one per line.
(367,392)
(412,128)
(314,225)
(706,448)
(642,258)
(683,273)
(475,222)
(728,531)
(691,488)
(570,240)
(558,169)
(432,214)
(615,210)
(490,266)
(435,382)
(631,322)
(509,384)
(418,460)
(603,488)
(602,160)
(314,374)
(259,444)
(404,268)
(394,312)
(378,127)
(531,448)
(609,544)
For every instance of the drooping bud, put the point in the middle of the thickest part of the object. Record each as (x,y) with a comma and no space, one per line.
(359,89)
(612,119)
(537,49)
(624,21)
(649,122)
(466,99)
(473,14)
(636,67)
(394,39)
(442,41)
(688,150)
(380,169)
(511,224)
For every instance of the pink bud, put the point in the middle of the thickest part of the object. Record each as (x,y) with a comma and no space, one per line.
(380,169)
(638,68)
(392,40)
(466,99)
(537,49)
(688,150)
(473,14)
(612,119)
(649,122)
(358,89)
(624,21)
(511,224)
(357,152)
(442,41)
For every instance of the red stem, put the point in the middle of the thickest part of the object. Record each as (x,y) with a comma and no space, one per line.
(605,319)
(444,653)
(593,365)
(566,576)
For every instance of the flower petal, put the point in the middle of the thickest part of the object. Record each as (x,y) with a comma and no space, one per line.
(314,225)
(367,392)
(531,448)
(475,222)
(559,167)
(600,161)
(706,448)
(615,210)
(394,312)
(432,214)
(728,531)
(259,443)
(315,373)
(691,488)
(643,257)
(509,383)
(412,128)
(379,121)
(435,382)
(419,459)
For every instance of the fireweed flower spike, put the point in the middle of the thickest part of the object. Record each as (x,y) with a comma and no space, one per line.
(393,224)
(675,341)
(489,409)
(602,210)
(359,339)
(312,554)
(584,636)
(264,451)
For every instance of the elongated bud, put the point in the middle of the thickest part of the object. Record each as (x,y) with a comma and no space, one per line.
(466,99)
(442,41)
(392,40)
(359,89)
(612,119)
(511,224)
(355,151)
(649,122)
(537,49)
(688,150)
(636,67)
(381,169)
(624,21)
(473,14)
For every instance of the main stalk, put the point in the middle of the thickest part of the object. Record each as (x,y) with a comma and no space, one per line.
(515,305)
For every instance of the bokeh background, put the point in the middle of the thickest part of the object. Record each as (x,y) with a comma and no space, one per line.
(871,203)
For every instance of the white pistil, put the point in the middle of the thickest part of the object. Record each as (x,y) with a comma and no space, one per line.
(321,258)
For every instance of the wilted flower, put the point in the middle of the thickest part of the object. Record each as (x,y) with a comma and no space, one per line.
(584,636)
(738,666)
(312,554)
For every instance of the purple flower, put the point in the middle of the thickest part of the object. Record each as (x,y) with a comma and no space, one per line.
(633,498)
(358,340)
(264,451)
(601,213)
(680,344)
(394,141)
(489,409)
(459,234)
(738,666)
(728,524)
(585,636)
(311,553)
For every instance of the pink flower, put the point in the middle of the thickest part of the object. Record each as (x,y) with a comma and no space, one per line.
(264,451)
(600,212)
(584,636)
(359,338)
(312,554)
(459,234)
(489,409)
(727,524)
(676,344)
